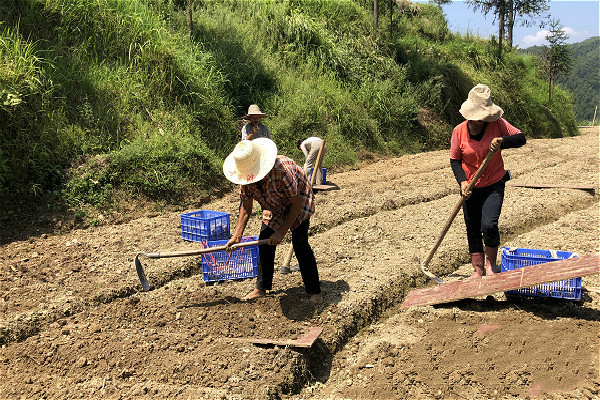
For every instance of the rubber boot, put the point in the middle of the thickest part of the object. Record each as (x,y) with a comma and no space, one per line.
(490,262)
(477,260)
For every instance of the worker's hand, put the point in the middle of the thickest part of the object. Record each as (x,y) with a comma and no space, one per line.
(495,143)
(463,189)
(276,238)
(232,241)
(254,132)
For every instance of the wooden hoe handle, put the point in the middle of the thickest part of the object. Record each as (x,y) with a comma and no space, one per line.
(184,253)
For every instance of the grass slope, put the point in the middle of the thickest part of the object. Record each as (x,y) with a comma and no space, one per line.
(105,102)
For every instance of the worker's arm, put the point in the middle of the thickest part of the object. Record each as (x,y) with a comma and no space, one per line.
(513,141)
(512,137)
(464,185)
(304,149)
(295,209)
(244,216)
(461,177)
(255,129)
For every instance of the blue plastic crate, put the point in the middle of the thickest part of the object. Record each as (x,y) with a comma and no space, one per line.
(224,265)
(205,225)
(324,174)
(513,258)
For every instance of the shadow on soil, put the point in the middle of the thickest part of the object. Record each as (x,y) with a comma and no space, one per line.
(209,304)
(296,306)
(294,301)
(546,308)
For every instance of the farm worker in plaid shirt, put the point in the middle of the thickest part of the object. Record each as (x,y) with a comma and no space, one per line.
(282,189)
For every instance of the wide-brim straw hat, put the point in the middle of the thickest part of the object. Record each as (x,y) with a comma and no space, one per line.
(250,161)
(253,110)
(479,105)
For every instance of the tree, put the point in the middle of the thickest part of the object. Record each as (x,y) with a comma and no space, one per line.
(376,14)
(392,2)
(556,57)
(507,12)
(440,3)
(189,7)
(189,11)
(528,10)
(498,7)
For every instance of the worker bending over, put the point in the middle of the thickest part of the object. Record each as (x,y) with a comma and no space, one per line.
(310,147)
(285,195)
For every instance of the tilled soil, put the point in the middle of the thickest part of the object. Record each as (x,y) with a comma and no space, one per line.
(74,322)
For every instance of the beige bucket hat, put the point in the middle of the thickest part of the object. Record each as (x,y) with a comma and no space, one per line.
(254,110)
(479,105)
(250,161)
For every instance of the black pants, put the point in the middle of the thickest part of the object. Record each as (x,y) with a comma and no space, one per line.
(304,254)
(482,212)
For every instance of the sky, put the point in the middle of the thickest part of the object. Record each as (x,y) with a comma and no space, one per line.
(579,18)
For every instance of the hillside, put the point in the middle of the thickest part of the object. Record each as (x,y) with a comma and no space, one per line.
(583,81)
(75,323)
(112,108)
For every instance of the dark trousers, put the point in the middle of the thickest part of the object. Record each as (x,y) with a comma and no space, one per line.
(304,254)
(482,212)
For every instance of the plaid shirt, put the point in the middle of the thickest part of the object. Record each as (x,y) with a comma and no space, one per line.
(274,191)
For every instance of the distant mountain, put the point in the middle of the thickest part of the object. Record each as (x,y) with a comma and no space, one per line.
(584,80)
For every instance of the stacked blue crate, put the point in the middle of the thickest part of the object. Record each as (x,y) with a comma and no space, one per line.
(223,265)
(513,258)
(324,174)
(205,225)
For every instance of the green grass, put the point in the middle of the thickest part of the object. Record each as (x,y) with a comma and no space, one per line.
(110,99)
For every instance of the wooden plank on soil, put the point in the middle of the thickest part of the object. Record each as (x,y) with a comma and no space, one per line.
(591,289)
(305,341)
(547,186)
(511,280)
(329,186)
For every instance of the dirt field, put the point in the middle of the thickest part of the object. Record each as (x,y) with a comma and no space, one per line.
(74,322)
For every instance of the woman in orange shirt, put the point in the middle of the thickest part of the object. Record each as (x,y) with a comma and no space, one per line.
(484,130)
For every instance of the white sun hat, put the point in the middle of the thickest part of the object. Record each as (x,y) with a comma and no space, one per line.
(250,161)
(254,110)
(479,105)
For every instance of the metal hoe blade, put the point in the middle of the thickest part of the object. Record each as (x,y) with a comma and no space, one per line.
(430,275)
(140,271)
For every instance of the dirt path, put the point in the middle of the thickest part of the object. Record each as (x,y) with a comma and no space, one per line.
(74,324)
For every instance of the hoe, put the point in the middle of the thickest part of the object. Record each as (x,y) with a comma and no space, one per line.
(184,253)
(476,177)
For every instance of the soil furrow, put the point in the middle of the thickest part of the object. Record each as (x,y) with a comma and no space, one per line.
(180,339)
(29,323)
(496,351)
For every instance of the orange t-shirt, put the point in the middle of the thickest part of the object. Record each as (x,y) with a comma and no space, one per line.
(472,152)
